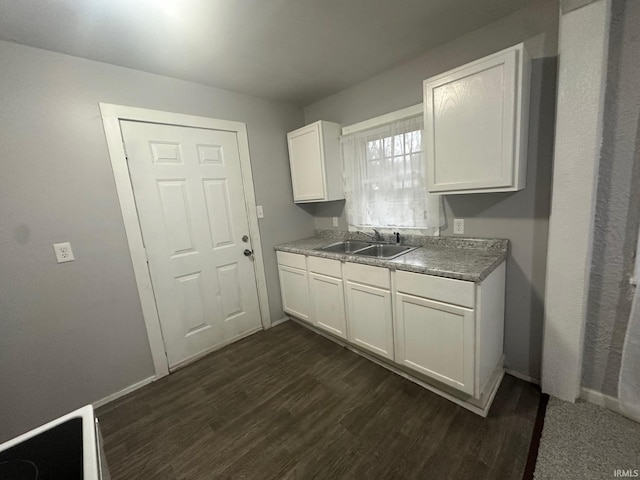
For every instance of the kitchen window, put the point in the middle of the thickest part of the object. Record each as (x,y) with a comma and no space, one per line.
(384,174)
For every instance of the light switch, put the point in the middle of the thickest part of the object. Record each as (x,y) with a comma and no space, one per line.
(63,252)
(259,211)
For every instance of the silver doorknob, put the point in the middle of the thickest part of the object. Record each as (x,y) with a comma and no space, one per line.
(248,253)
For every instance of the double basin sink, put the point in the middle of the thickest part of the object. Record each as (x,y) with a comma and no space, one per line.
(368,249)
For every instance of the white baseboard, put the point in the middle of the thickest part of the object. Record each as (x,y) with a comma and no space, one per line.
(123,392)
(131,388)
(278,322)
(606,401)
(522,376)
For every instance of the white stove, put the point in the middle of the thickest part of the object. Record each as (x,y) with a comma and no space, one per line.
(69,447)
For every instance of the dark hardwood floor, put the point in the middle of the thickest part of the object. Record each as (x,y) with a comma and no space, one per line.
(289,404)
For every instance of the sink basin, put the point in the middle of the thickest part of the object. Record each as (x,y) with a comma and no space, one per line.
(384,251)
(350,246)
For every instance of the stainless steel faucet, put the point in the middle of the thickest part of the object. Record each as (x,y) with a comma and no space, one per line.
(375,235)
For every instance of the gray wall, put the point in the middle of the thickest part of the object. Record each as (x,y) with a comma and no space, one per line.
(73,333)
(521,217)
(617,206)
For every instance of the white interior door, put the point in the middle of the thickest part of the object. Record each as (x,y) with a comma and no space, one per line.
(188,189)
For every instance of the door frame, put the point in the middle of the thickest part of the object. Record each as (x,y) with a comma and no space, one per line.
(111,116)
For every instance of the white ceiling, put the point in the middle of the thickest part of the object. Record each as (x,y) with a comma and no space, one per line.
(291,50)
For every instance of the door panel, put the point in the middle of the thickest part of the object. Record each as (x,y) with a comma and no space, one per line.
(305,158)
(436,339)
(369,318)
(327,302)
(192,309)
(216,194)
(294,286)
(229,280)
(477,103)
(190,199)
(176,216)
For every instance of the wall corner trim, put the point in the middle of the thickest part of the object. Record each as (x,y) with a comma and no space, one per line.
(278,322)
(522,376)
(578,144)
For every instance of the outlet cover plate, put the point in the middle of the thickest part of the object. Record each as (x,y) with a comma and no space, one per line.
(458,226)
(63,252)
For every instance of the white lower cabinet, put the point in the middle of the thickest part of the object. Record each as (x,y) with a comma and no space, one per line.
(294,285)
(327,304)
(327,295)
(436,339)
(370,321)
(450,330)
(443,329)
(369,312)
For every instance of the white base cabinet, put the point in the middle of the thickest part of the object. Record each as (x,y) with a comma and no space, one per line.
(436,339)
(369,312)
(294,285)
(327,296)
(449,331)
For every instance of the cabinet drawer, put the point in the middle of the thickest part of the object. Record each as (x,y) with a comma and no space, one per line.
(325,266)
(368,275)
(294,260)
(447,290)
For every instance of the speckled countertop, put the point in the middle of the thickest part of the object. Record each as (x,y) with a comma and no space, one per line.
(470,259)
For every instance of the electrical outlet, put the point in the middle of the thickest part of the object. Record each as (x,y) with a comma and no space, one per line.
(63,252)
(259,211)
(335,221)
(458,226)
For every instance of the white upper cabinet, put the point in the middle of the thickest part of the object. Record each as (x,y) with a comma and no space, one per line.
(316,168)
(476,125)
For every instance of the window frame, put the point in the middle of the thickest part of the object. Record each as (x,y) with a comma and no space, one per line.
(394,116)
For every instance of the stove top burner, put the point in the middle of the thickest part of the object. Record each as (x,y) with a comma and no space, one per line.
(51,455)
(18,470)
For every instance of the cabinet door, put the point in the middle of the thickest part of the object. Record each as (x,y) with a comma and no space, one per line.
(436,339)
(327,304)
(471,131)
(306,157)
(295,292)
(369,318)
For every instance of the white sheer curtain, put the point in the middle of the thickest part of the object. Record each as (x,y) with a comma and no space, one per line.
(384,173)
